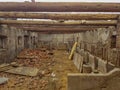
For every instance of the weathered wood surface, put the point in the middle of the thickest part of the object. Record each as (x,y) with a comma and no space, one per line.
(60,7)
(54,22)
(59,16)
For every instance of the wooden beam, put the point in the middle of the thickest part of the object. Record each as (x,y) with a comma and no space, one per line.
(118,34)
(57,29)
(60,7)
(58,16)
(51,22)
(54,32)
(57,26)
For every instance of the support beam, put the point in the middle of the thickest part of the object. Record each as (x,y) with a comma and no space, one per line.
(58,32)
(54,32)
(60,7)
(51,22)
(58,16)
(118,35)
(57,26)
(57,29)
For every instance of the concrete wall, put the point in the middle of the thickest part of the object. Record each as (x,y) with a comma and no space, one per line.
(91,63)
(100,35)
(98,43)
(58,41)
(109,81)
(56,37)
(12,42)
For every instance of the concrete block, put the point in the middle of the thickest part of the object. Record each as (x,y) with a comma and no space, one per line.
(102,65)
(82,52)
(80,62)
(75,58)
(92,61)
(109,81)
(87,68)
(86,57)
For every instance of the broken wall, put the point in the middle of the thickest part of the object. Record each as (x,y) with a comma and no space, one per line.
(12,42)
(57,40)
(109,81)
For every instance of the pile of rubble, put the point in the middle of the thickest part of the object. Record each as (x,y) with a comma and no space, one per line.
(40,59)
(33,58)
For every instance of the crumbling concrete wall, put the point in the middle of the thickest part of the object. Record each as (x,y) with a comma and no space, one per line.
(94,36)
(57,40)
(91,63)
(56,37)
(12,41)
(98,43)
(109,81)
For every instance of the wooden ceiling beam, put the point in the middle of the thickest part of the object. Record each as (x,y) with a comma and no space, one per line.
(60,7)
(57,29)
(57,26)
(64,23)
(57,16)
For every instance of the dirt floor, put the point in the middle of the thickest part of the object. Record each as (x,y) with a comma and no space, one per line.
(52,75)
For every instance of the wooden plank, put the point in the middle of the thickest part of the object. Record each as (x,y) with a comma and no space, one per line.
(60,7)
(72,51)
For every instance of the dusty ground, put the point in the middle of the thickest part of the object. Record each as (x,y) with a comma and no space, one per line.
(62,67)
(52,74)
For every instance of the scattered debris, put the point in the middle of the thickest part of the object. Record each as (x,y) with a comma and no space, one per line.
(52,71)
(5,67)
(3,80)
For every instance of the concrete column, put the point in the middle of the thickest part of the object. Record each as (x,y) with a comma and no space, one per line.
(118,34)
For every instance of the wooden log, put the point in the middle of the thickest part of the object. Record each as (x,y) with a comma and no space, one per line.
(57,28)
(58,32)
(118,34)
(72,51)
(60,7)
(53,22)
(58,16)
(79,26)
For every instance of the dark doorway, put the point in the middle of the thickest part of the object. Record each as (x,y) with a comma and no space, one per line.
(26,41)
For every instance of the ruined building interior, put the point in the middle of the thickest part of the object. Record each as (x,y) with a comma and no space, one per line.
(59,45)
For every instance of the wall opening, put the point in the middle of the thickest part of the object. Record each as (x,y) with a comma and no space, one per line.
(113,41)
(19,40)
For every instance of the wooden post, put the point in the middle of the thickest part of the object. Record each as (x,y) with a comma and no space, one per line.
(118,41)
(118,34)
(59,7)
